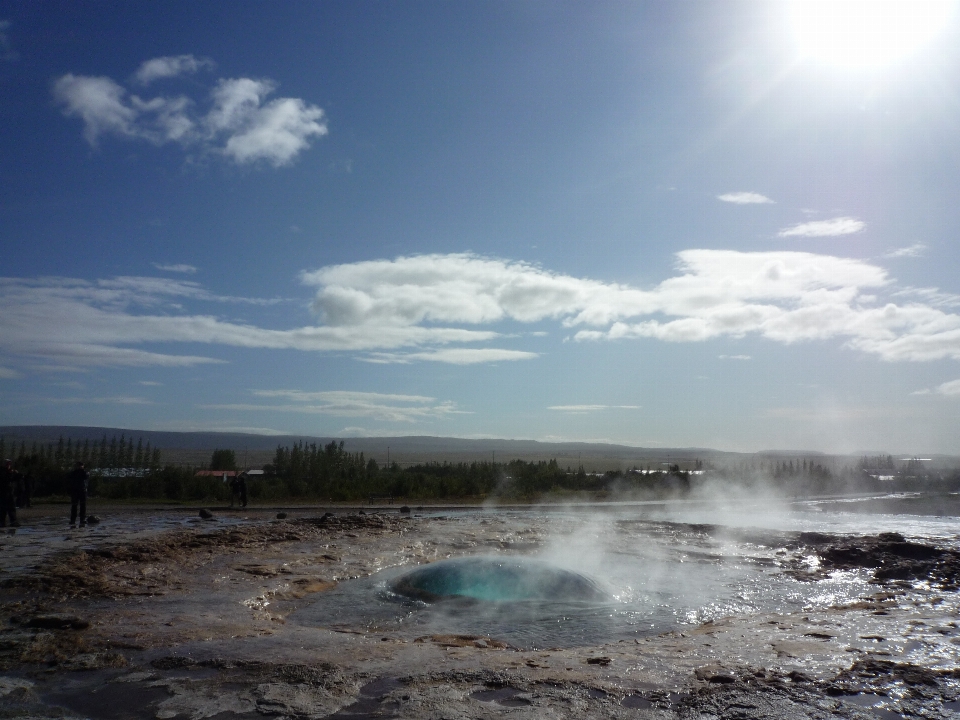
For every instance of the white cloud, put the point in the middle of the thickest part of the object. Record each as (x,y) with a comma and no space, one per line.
(744,198)
(782,296)
(824,228)
(8,373)
(911,251)
(453,356)
(99,102)
(734,357)
(341,403)
(950,389)
(276,132)
(239,124)
(151,383)
(591,408)
(170,66)
(181,268)
(425,308)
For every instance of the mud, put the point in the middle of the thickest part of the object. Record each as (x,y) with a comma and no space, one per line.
(202,622)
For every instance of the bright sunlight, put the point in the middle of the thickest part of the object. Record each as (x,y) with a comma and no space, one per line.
(866,34)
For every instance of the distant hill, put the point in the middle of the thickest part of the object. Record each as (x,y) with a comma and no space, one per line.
(195,447)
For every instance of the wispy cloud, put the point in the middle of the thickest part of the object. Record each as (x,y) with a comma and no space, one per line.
(239,122)
(188,269)
(8,373)
(171,66)
(341,403)
(7,52)
(226,427)
(734,357)
(110,400)
(151,383)
(590,408)
(911,251)
(744,198)
(931,296)
(824,228)
(453,356)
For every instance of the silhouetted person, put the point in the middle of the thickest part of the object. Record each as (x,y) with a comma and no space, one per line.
(77,481)
(234,490)
(24,490)
(8,484)
(242,485)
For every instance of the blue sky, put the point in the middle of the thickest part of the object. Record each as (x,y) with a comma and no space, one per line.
(729,225)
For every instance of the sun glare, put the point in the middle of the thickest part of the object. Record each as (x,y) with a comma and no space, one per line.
(866,33)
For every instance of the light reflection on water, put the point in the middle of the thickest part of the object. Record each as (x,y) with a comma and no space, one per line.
(659,578)
(662,570)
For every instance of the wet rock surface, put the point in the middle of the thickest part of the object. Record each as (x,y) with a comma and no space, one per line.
(890,555)
(198,623)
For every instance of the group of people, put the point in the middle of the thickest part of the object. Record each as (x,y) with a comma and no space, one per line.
(16,488)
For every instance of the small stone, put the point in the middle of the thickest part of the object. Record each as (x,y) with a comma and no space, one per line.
(405,509)
(206,514)
(93,520)
(281,516)
(602,660)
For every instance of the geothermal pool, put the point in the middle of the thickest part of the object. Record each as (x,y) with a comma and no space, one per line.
(580,612)
(654,573)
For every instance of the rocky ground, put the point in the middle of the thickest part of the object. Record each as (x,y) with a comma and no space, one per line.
(200,621)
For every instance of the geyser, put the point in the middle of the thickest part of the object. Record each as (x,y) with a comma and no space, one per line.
(497,579)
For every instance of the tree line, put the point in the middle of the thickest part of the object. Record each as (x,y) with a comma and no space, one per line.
(123,469)
(117,454)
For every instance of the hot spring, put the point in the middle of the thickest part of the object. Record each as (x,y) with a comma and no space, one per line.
(540,579)
(498,579)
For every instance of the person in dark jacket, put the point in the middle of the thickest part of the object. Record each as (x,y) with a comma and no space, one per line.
(242,487)
(8,484)
(25,490)
(77,481)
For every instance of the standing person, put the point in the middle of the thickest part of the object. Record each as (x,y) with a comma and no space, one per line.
(77,480)
(8,506)
(234,490)
(27,490)
(242,485)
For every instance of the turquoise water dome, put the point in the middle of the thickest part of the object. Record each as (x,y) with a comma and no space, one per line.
(497,579)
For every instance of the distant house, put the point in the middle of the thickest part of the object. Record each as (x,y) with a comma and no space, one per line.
(225,474)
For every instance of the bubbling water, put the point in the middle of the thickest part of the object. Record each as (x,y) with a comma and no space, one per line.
(497,579)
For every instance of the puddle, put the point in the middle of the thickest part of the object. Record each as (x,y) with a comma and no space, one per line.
(112,701)
(506,696)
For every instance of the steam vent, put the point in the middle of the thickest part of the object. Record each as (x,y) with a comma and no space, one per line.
(497,579)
